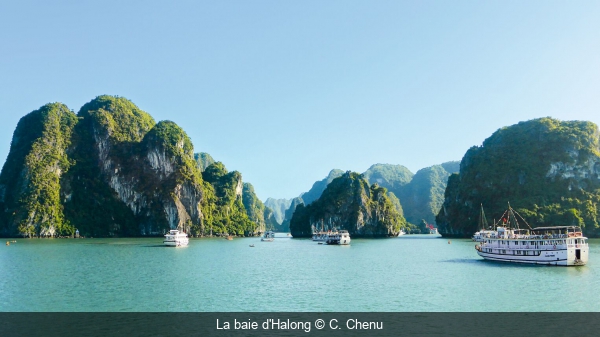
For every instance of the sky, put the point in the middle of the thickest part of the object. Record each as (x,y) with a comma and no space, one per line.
(285,91)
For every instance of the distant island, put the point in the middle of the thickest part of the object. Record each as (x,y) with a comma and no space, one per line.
(417,197)
(349,203)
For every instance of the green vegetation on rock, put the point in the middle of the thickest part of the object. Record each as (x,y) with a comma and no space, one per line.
(119,117)
(226,214)
(349,203)
(30,178)
(111,171)
(547,169)
(255,209)
(203,160)
(392,177)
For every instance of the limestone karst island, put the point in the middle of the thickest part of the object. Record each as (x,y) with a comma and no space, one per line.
(111,170)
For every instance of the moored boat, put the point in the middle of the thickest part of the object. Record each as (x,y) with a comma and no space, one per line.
(480,235)
(338,238)
(268,236)
(320,236)
(558,246)
(176,238)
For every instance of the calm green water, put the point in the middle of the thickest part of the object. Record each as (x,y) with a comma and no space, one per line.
(411,273)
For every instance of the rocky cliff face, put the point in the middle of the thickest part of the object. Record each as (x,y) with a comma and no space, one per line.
(254,207)
(423,196)
(148,167)
(349,203)
(547,169)
(112,171)
(278,206)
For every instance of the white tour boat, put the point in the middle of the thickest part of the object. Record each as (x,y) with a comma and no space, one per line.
(268,237)
(319,235)
(480,235)
(558,246)
(176,238)
(338,238)
(402,232)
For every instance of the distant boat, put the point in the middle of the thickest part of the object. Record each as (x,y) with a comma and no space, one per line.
(401,233)
(229,237)
(268,237)
(176,238)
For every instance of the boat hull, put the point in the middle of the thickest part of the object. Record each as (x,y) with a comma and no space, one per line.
(176,243)
(565,257)
(338,241)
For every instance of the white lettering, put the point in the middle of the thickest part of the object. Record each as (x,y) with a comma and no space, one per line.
(354,324)
(225,325)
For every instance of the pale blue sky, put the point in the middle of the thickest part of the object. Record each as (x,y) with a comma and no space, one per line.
(284,91)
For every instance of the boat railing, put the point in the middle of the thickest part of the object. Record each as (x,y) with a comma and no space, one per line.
(577,245)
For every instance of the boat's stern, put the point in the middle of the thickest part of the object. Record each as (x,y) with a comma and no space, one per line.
(578,252)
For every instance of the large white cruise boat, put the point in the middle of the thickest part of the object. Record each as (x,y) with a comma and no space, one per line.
(176,238)
(558,246)
(338,238)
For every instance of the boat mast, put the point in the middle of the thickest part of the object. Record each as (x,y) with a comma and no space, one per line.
(482,220)
(512,219)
